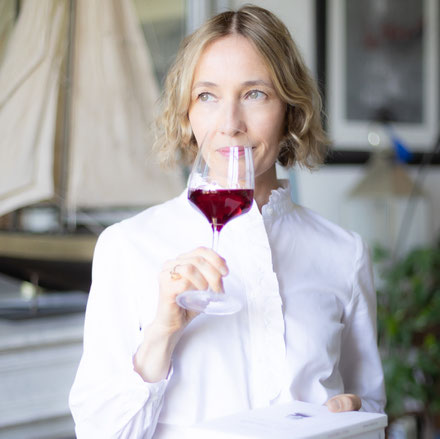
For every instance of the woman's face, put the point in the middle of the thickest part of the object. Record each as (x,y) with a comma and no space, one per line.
(232,93)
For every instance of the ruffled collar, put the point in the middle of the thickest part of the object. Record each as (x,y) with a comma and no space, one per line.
(280,202)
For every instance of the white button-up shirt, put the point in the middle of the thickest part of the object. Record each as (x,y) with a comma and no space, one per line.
(307,330)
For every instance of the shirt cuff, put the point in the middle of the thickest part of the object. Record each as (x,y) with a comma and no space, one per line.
(157,389)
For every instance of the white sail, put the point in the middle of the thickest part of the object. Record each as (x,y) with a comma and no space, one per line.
(29,77)
(113,105)
(113,101)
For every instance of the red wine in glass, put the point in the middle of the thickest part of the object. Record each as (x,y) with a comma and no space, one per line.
(221,187)
(221,205)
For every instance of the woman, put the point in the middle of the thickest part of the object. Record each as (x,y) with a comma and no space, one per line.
(307,330)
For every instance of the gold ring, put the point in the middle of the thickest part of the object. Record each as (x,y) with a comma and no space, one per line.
(174,275)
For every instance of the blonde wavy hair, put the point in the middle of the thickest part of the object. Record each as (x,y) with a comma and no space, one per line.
(304,141)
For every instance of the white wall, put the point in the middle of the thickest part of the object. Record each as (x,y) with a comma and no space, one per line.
(298,16)
(325,191)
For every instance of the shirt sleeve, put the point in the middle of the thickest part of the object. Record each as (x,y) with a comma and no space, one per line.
(360,363)
(108,398)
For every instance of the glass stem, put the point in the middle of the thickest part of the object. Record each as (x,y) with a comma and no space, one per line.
(215,238)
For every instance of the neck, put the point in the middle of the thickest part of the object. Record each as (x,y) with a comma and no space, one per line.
(264,184)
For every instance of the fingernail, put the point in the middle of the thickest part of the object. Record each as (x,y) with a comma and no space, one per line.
(224,271)
(334,405)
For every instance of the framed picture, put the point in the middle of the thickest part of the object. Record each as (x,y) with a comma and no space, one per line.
(381,63)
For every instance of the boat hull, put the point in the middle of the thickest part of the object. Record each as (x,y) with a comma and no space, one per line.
(54,262)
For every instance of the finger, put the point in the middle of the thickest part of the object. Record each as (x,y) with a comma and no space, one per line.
(344,403)
(202,267)
(202,274)
(173,287)
(187,276)
(174,271)
(210,265)
(193,275)
(211,256)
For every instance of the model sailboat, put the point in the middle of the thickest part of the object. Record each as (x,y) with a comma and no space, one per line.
(77,104)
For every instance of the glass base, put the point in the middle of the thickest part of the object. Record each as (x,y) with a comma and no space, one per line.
(208,302)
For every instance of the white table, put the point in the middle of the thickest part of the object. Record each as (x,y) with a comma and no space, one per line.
(38,362)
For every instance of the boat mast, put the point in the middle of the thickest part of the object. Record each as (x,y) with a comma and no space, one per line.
(63,212)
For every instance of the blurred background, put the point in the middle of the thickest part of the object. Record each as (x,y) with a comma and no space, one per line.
(79,84)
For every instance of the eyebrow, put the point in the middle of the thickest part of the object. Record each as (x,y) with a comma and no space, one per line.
(204,84)
(246,83)
(258,82)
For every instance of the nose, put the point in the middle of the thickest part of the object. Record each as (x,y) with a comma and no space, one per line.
(231,118)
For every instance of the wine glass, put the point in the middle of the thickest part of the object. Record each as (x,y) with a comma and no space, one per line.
(221,187)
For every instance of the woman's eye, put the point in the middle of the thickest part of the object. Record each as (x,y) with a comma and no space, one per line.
(255,94)
(206,97)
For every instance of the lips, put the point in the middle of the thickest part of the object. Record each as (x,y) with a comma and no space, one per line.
(237,150)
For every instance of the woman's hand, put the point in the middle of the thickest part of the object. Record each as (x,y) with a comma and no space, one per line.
(345,402)
(196,270)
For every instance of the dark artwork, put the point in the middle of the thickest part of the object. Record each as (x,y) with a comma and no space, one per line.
(385,53)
